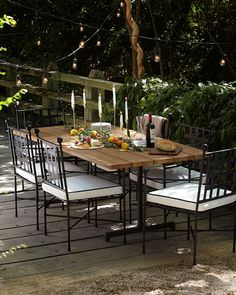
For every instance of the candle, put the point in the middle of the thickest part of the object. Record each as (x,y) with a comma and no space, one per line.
(126,110)
(100,105)
(73,100)
(84,99)
(121,120)
(114,96)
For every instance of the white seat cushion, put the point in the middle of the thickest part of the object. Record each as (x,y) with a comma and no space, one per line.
(84,186)
(175,175)
(29,175)
(184,196)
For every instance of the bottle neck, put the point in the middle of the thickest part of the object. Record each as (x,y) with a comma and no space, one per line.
(150,118)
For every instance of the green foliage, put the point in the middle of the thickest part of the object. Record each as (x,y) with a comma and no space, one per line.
(185,29)
(134,91)
(7,20)
(209,105)
(12,99)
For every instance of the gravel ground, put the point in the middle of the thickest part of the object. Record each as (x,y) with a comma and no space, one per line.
(216,276)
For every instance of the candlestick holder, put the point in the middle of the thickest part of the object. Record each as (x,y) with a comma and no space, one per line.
(127,128)
(100,120)
(84,115)
(114,121)
(74,118)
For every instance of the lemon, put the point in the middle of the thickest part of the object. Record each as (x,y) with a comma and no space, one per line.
(73,132)
(125,146)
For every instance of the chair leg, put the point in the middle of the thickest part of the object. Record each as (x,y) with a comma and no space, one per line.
(144,225)
(124,208)
(188,226)
(68,225)
(234,228)
(37,207)
(23,184)
(130,201)
(120,206)
(195,239)
(124,218)
(89,220)
(16,203)
(45,213)
(96,212)
(165,218)
(210,220)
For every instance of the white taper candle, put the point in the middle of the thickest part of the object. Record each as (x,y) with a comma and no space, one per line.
(73,100)
(126,110)
(114,95)
(121,120)
(99,104)
(84,99)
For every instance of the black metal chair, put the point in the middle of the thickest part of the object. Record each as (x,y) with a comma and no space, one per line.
(214,189)
(26,166)
(39,116)
(162,176)
(162,125)
(71,188)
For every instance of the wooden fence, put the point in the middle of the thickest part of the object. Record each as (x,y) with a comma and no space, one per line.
(51,92)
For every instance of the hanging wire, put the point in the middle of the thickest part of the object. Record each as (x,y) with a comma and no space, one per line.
(107,30)
(98,29)
(87,40)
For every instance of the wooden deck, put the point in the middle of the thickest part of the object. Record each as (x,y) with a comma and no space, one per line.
(43,261)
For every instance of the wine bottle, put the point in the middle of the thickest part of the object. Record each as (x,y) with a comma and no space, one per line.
(150,132)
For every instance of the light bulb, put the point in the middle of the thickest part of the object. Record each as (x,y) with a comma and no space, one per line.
(18,81)
(81,28)
(81,44)
(38,42)
(222,62)
(157,58)
(98,43)
(45,79)
(118,13)
(74,64)
(121,4)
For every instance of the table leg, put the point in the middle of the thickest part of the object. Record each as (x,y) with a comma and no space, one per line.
(139,195)
(139,227)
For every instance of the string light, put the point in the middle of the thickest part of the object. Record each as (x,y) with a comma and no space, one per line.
(157,57)
(118,13)
(82,42)
(18,81)
(45,79)
(98,42)
(223,61)
(38,42)
(74,64)
(81,28)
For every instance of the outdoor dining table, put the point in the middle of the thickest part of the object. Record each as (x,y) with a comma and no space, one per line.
(113,158)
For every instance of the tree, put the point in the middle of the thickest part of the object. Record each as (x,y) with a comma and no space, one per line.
(186,34)
(8,20)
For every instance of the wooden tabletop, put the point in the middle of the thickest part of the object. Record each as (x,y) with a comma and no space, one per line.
(113,158)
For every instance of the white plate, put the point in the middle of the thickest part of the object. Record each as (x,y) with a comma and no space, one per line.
(103,126)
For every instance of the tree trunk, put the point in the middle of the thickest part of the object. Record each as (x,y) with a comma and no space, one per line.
(137,55)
